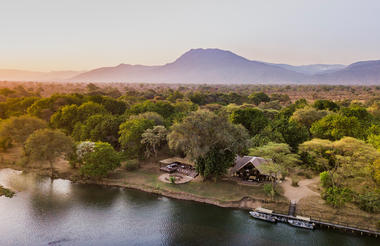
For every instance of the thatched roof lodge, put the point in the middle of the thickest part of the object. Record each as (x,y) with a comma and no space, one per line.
(249,168)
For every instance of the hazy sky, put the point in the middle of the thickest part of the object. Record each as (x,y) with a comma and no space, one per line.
(84,34)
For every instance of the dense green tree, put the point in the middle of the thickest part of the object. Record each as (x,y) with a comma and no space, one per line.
(88,109)
(16,106)
(130,136)
(44,108)
(65,118)
(252,119)
(153,139)
(164,108)
(48,145)
(293,133)
(326,105)
(18,129)
(99,127)
(98,162)
(307,116)
(258,98)
(279,153)
(203,131)
(215,162)
(153,116)
(336,126)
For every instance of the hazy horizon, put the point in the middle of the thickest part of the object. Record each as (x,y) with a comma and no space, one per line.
(41,35)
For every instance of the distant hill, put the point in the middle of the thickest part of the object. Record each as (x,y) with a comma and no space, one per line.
(197,66)
(215,66)
(364,72)
(220,66)
(22,75)
(313,69)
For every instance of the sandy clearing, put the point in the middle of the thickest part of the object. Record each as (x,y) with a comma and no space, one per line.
(297,193)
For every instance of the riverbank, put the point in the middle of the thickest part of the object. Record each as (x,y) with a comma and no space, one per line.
(222,193)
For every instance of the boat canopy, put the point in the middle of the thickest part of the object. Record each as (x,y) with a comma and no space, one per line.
(263,210)
(303,218)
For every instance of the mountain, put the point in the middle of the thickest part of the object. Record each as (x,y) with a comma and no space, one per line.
(197,66)
(313,69)
(215,66)
(364,72)
(22,75)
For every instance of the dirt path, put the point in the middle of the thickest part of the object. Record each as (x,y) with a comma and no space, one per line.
(297,193)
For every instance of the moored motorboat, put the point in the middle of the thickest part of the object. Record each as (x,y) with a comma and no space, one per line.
(301,224)
(263,216)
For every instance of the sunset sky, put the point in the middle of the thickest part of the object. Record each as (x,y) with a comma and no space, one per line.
(45,35)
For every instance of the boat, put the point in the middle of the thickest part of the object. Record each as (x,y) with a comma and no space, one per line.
(301,224)
(262,216)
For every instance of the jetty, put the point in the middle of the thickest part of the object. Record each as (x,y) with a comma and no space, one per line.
(319,223)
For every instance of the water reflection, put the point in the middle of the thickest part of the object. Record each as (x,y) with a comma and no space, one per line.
(62,213)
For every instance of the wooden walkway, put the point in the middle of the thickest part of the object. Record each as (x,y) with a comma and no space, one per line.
(324,224)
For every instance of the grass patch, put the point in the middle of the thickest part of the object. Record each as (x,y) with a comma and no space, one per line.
(221,190)
(6,192)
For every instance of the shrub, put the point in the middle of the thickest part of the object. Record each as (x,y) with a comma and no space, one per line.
(6,192)
(172,179)
(325,179)
(131,165)
(369,201)
(295,181)
(268,189)
(337,197)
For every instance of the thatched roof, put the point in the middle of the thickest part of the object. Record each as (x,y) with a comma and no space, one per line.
(241,162)
(177,159)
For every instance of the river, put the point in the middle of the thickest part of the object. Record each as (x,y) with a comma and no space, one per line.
(64,213)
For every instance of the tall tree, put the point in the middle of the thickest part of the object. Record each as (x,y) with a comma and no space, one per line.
(18,129)
(48,145)
(99,161)
(203,131)
(153,139)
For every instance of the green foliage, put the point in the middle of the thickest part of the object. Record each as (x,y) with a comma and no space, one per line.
(203,135)
(165,109)
(199,132)
(325,178)
(268,189)
(65,118)
(268,134)
(172,179)
(6,192)
(278,152)
(15,106)
(369,201)
(326,105)
(18,129)
(293,133)
(48,145)
(153,139)
(131,165)
(130,136)
(99,162)
(258,98)
(252,119)
(336,126)
(337,197)
(215,162)
(295,181)
(44,108)
(307,116)
(88,109)
(104,128)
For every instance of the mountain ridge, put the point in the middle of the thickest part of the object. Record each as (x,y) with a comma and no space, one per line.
(216,66)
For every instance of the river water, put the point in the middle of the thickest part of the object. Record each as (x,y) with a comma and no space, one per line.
(63,213)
